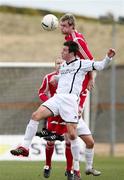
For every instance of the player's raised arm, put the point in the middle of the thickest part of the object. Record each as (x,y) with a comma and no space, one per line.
(43,90)
(100,65)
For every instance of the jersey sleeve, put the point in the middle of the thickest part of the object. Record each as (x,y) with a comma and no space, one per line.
(100,65)
(43,90)
(87,65)
(83,48)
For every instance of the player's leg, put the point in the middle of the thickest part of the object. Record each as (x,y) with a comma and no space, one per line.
(49,152)
(50,126)
(85,135)
(75,148)
(69,158)
(89,155)
(89,150)
(69,113)
(61,129)
(31,129)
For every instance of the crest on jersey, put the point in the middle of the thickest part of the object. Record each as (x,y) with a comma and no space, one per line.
(75,117)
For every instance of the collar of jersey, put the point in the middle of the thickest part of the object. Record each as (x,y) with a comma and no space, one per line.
(71,61)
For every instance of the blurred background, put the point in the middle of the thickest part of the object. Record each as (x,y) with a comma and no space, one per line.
(23,40)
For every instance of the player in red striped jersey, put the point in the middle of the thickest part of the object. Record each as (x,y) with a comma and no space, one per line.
(67,27)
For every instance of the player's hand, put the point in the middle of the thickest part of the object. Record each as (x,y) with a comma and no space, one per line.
(90,85)
(111,53)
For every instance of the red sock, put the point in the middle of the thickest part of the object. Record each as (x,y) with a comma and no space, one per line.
(49,153)
(69,158)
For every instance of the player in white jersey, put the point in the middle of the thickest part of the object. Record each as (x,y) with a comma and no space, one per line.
(68,28)
(65,101)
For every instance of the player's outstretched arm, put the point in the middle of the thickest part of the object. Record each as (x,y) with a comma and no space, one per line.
(100,65)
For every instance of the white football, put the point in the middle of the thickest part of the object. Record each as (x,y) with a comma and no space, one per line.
(49,22)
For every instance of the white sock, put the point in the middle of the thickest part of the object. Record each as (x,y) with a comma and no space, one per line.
(30,133)
(75,149)
(89,155)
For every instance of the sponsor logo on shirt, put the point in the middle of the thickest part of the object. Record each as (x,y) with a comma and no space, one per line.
(68,71)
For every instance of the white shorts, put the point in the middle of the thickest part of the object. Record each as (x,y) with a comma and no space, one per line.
(65,105)
(82,128)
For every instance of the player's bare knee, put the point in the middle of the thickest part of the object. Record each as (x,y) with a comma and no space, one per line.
(36,116)
(72,136)
(90,144)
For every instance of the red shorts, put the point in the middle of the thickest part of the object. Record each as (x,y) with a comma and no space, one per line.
(56,125)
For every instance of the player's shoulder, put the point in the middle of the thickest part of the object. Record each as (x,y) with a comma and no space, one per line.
(77,36)
(86,62)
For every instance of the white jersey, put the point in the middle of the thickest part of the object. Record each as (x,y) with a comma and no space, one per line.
(72,74)
(69,86)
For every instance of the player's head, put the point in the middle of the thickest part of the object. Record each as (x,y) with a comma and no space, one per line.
(70,50)
(67,24)
(58,63)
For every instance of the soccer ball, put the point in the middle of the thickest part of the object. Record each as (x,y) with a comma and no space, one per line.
(49,22)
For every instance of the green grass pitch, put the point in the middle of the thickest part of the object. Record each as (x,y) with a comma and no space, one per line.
(111,168)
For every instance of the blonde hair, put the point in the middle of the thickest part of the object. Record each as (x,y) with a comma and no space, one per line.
(70,18)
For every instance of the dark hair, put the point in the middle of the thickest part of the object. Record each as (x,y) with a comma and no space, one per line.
(73,46)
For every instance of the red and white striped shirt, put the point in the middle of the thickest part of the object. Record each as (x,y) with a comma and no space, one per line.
(84,52)
(47,89)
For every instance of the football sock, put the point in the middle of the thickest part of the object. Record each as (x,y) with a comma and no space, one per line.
(75,149)
(30,133)
(89,154)
(69,157)
(49,153)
